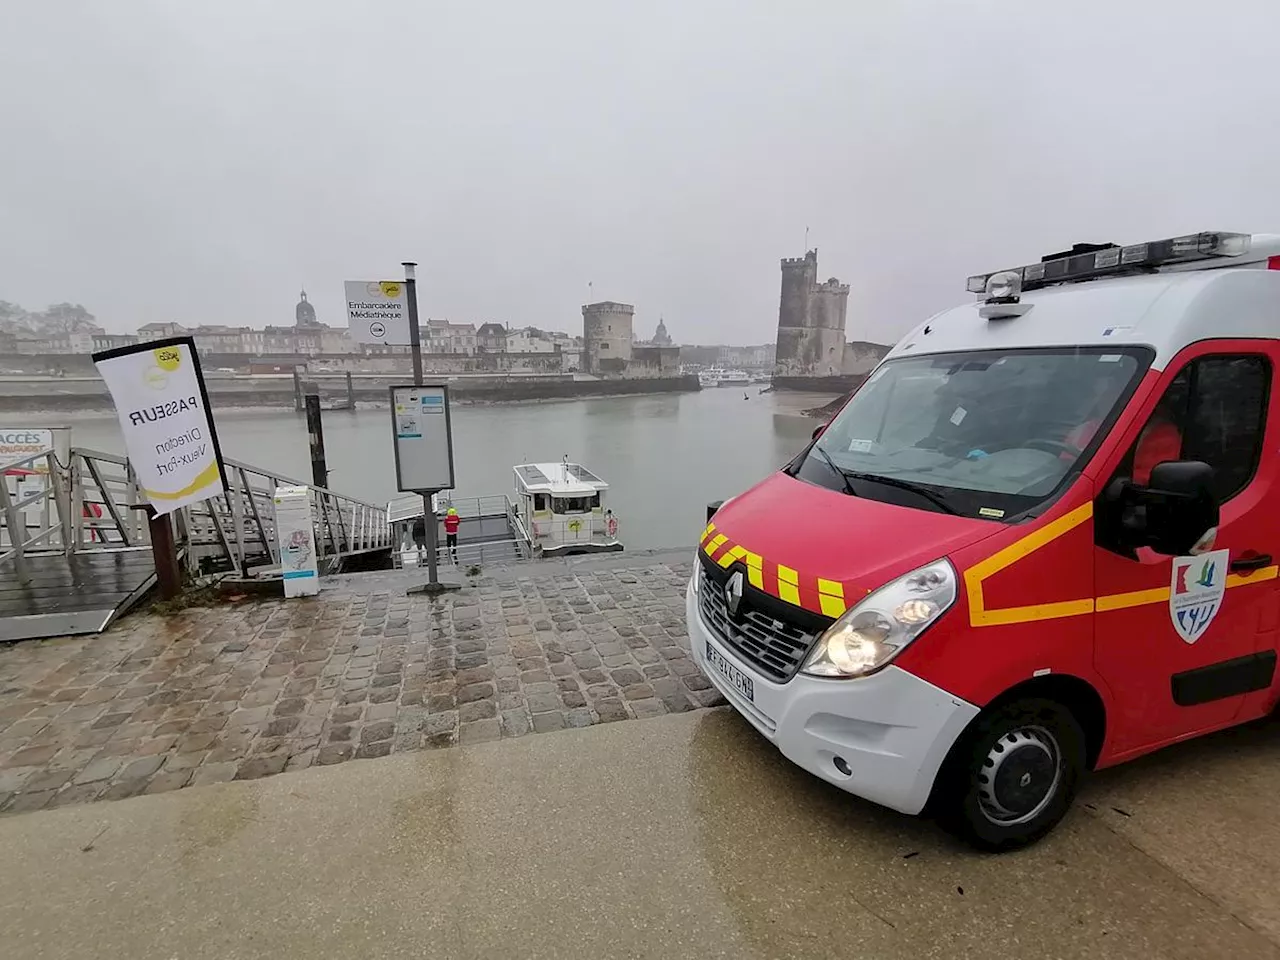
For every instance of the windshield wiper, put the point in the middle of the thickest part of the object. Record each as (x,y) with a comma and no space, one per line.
(915,488)
(844,477)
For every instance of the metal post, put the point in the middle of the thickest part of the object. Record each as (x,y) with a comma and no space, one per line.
(433,539)
(351,393)
(315,434)
(17,525)
(415,335)
(297,391)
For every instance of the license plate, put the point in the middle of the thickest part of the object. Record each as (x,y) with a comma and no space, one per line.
(737,679)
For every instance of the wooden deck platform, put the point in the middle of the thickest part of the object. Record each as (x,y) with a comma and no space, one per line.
(72,595)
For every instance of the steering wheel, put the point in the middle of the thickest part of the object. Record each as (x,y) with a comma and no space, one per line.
(1050,446)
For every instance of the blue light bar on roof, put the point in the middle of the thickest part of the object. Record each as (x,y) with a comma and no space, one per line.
(1087,261)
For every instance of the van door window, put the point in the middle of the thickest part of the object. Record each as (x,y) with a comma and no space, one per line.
(1214,410)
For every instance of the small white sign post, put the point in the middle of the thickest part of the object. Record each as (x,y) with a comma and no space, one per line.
(378,311)
(422,435)
(297,540)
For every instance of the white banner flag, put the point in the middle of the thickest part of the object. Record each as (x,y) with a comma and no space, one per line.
(164,415)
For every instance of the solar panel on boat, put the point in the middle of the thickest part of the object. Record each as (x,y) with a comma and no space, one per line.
(579,472)
(531,475)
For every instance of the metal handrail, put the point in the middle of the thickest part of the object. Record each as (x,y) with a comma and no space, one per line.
(15,528)
(586,527)
(478,553)
(90,505)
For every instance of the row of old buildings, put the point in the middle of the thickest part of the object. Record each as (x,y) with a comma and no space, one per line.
(607,346)
(811,348)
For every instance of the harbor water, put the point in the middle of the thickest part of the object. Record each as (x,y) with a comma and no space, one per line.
(664,456)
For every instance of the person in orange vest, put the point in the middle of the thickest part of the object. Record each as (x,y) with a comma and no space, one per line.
(451,523)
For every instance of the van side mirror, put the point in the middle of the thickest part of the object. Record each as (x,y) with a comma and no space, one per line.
(1173,511)
(712,508)
(817,431)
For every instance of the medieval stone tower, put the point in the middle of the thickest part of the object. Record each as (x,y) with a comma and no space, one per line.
(811,317)
(606,335)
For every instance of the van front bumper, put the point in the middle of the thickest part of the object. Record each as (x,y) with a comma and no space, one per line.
(890,731)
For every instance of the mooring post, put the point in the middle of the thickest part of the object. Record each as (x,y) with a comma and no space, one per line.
(315,434)
(297,391)
(164,552)
(351,393)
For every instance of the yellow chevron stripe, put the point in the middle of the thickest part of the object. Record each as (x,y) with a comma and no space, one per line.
(831,597)
(788,585)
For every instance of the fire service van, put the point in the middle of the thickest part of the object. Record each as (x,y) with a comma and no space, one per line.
(1038,540)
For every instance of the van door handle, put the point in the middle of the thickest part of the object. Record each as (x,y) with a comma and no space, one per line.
(1255,562)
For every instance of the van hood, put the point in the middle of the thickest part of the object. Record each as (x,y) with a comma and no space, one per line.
(819,533)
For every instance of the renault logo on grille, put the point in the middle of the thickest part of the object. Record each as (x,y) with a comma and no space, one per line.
(733,593)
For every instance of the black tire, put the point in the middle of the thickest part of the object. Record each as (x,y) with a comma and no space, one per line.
(1036,750)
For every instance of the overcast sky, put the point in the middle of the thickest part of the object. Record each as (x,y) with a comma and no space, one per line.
(200,162)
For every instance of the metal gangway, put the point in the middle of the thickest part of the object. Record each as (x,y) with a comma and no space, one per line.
(491,531)
(76,552)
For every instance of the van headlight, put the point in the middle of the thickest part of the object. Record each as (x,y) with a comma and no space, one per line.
(874,631)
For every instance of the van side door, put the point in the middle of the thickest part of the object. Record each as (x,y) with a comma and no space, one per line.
(1177,639)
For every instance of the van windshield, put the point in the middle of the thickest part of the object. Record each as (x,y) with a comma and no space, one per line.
(989,433)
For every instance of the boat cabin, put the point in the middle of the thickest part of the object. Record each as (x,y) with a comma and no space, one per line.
(565,509)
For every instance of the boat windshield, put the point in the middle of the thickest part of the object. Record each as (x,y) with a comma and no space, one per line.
(987,433)
(564,505)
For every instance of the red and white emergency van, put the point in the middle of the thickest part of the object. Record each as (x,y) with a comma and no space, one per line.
(1038,540)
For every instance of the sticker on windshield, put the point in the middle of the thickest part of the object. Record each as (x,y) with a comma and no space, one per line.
(958,417)
(990,512)
(1110,358)
(1195,592)
(861,446)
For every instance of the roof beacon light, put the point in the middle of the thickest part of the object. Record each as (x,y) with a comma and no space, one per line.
(1004,287)
(1090,261)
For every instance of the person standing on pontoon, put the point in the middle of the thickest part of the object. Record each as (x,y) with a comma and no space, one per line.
(451,523)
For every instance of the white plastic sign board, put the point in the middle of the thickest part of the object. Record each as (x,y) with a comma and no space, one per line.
(163,409)
(18,443)
(377,311)
(422,433)
(26,477)
(297,539)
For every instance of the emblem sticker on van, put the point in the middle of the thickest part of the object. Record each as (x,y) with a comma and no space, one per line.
(1195,592)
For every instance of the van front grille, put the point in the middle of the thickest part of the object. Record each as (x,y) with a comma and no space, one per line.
(773,646)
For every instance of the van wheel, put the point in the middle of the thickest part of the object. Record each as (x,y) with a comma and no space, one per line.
(1012,776)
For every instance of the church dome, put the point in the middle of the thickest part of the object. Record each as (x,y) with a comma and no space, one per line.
(304,312)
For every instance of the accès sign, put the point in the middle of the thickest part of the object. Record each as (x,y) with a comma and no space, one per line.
(160,400)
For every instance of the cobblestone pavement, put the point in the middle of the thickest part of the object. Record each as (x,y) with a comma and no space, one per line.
(260,687)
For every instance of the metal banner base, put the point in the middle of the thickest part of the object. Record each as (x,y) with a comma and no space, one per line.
(433,588)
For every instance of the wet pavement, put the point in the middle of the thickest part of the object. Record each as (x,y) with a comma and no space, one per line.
(678,837)
(248,690)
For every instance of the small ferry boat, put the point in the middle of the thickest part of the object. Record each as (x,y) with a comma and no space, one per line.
(564,506)
(709,377)
(734,378)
